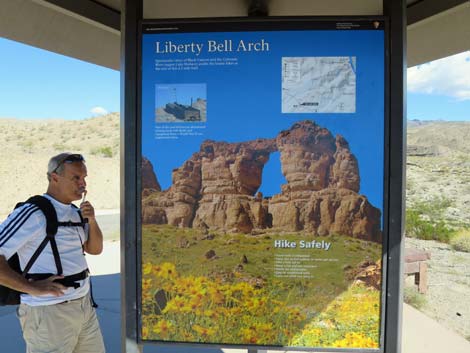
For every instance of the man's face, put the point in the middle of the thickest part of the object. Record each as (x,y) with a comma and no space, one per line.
(71,182)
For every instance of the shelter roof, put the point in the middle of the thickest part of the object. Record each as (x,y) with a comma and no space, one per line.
(89,30)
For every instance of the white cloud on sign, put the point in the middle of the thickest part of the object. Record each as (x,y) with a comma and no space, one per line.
(449,77)
(99,111)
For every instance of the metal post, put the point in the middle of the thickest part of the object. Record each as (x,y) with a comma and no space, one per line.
(131,13)
(396,12)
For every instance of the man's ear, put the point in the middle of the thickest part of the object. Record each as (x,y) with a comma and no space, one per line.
(54,177)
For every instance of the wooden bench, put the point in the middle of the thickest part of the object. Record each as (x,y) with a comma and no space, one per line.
(415,264)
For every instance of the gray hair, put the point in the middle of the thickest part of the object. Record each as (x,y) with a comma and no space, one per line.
(56,164)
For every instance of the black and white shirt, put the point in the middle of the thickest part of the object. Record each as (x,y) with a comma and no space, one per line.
(25,229)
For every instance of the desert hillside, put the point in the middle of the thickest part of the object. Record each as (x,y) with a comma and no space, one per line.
(27,145)
(438,167)
(438,203)
(438,163)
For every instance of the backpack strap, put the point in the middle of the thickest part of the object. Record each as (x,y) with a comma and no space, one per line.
(82,220)
(55,252)
(82,224)
(36,254)
(85,221)
(49,212)
(51,229)
(71,224)
(78,210)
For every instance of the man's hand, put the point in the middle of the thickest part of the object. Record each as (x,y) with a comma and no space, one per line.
(47,286)
(14,280)
(94,244)
(88,212)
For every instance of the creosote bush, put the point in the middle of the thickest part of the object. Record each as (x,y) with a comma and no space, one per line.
(425,220)
(103,151)
(461,241)
(413,298)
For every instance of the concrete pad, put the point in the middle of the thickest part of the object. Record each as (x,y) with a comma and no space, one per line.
(108,262)
(422,334)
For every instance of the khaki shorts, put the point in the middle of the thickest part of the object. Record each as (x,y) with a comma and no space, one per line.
(70,327)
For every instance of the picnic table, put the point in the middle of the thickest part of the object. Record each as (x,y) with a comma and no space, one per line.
(415,264)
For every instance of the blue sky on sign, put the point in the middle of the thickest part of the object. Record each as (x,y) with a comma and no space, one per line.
(37,84)
(244,100)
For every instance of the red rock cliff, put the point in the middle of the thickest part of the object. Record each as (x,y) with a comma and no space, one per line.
(216,187)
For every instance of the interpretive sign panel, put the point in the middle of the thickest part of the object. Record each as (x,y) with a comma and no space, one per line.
(263,183)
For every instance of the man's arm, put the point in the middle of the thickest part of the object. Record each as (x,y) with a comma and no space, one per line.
(14,280)
(94,243)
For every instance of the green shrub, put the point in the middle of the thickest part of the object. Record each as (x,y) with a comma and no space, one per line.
(413,298)
(425,220)
(106,152)
(418,227)
(433,208)
(461,241)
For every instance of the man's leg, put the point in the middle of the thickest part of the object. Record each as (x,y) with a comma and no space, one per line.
(52,328)
(90,339)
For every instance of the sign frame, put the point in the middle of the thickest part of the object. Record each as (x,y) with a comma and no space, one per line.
(246,25)
(393,158)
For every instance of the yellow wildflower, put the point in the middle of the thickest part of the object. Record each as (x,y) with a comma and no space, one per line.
(176,305)
(167,270)
(203,331)
(162,328)
(147,268)
(356,340)
(145,332)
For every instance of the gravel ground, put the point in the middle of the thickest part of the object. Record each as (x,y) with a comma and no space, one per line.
(448,296)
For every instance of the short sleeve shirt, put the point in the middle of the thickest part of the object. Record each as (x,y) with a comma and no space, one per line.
(25,229)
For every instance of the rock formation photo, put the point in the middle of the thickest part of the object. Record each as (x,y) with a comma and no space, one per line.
(217,188)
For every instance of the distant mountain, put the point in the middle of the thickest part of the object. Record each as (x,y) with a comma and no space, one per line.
(446,135)
(438,166)
(417,122)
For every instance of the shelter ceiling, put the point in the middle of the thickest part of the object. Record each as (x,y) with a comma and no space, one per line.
(89,30)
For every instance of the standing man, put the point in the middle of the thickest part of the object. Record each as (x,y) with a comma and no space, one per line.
(56,313)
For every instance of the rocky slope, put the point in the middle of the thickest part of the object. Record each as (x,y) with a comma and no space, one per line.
(438,166)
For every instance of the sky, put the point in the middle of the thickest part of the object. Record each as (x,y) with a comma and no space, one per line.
(37,84)
(57,86)
(440,90)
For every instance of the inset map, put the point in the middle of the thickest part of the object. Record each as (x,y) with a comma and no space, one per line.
(184,102)
(319,84)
